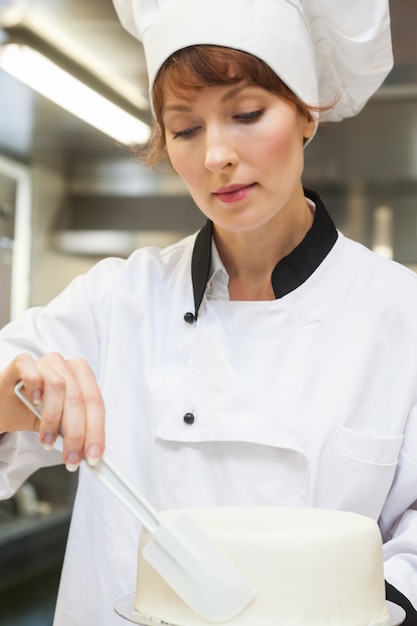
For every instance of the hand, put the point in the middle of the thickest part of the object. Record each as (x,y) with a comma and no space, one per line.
(72,405)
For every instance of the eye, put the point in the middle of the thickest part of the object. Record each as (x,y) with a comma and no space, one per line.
(186,133)
(250,116)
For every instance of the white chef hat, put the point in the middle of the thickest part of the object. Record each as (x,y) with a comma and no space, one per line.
(324,50)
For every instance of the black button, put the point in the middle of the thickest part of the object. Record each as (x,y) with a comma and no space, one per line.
(189,418)
(189,318)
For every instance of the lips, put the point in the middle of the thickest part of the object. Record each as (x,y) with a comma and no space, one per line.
(233,193)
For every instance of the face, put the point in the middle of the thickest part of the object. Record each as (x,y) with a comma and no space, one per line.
(239,150)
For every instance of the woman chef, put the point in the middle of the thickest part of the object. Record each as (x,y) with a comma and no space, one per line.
(266,359)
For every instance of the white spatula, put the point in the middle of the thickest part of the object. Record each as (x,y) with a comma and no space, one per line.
(182,554)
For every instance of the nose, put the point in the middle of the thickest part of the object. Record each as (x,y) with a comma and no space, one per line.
(220,152)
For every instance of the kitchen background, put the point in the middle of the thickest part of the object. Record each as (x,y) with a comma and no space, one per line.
(69,194)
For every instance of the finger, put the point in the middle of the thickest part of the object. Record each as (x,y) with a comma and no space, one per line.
(15,415)
(94,410)
(75,398)
(24,367)
(63,410)
(52,371)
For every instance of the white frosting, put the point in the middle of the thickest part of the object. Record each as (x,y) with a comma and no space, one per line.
(310,567)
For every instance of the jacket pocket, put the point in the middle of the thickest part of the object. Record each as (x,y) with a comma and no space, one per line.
(356,472)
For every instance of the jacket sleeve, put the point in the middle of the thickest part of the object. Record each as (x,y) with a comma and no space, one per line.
(73,324)
(20,456)
(398,598)
(398,521)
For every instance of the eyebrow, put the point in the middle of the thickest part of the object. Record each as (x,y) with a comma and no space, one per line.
(184,108)
(233,92)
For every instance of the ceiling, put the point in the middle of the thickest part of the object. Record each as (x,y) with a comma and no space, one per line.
(90,31)
(31,125)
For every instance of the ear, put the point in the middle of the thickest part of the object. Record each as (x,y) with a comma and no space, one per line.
(309,127)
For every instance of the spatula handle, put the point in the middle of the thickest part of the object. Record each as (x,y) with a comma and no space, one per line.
(126,493)
(111,478)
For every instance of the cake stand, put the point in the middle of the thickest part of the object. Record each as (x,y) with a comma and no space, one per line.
(125,608)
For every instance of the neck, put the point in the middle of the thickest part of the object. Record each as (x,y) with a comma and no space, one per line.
(250,257)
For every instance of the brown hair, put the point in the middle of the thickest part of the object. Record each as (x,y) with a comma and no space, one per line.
(196,67)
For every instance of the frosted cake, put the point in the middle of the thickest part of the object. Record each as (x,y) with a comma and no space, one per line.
(309,567)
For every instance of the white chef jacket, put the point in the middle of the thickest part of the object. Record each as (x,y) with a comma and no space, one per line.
(308,400)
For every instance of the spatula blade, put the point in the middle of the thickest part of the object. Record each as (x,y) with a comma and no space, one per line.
(197,570)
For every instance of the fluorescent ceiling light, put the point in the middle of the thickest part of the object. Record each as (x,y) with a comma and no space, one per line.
(51,81)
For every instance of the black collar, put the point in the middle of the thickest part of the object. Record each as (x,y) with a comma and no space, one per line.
(289,273)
